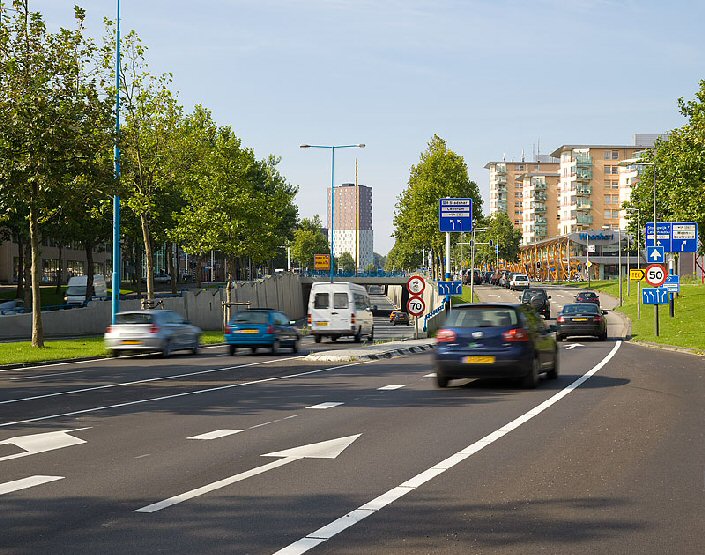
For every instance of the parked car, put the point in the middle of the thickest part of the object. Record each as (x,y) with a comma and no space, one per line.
(518,282)
(401,318)
(76,289)
(340,309)
(587,297)
(162,278)
(495,341)
(15,306)
(162,331)
(261,327)
(538,298)
(581,319)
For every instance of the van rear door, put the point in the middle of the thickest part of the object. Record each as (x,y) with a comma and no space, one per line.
(320,307)
(342,308)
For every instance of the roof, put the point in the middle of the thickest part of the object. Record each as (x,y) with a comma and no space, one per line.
(525,162)
(556,153)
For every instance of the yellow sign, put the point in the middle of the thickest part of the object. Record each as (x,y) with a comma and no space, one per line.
(589,264)
(636,275)
(321,261)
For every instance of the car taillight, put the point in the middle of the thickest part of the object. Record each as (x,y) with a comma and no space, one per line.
(270,328)
(309,319)
(352,318)
(597,318)
(560,319)
(446,336)
(515,335)
(109,329)
(228,329)
(154,328)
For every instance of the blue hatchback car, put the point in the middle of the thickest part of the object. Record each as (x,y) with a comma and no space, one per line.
(495,341)
(261,327)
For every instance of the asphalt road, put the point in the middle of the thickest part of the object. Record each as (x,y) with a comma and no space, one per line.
(263,454)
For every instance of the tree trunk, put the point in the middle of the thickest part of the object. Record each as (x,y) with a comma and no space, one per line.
(88,245)
(60,269)
(37,329)
(27,270)
(199,271)
(170,266)
(137,269)
(148,255)
(20,267)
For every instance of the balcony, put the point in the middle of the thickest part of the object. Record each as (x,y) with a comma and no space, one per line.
(541,230)
(502,205)
(537,195)
(540,220)
(583,160)
(584,219)
(584,204)
(501,169)
(501,180)
(538,184)
(538,207)
(583,190)
(583,174)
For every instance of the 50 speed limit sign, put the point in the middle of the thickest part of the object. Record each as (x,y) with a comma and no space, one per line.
(416,306)
(655,275)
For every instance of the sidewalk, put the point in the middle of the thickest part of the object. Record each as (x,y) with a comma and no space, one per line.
(374,352)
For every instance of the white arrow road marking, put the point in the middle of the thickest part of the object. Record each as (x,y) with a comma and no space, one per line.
(215,434)
(325,450)
(325,406)
(431,375)
(572,346)
(41,443)
(25,483)
(390,387)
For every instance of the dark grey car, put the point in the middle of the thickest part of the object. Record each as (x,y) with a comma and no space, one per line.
(162,331)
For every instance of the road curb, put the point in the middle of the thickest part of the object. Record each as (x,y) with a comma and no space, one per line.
(664,347)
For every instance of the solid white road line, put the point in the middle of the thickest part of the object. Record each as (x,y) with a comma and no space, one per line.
(25,483)
(353,517)
(215,434)
(389,387)
(325,406)
(47,375)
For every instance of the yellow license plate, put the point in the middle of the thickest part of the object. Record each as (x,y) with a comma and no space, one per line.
(479,360)
(321,323)
(246,331)
(579,319)
(131,342)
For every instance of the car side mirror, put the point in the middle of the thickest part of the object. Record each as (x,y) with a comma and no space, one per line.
(374,307)
(549,296)
(604,313)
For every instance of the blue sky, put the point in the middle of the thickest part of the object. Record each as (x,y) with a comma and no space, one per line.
(490,77)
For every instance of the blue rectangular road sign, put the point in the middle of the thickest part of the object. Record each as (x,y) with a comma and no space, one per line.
(455,214)
(450,287)
(673,284)
(664,235)
(658,295)
(655,255)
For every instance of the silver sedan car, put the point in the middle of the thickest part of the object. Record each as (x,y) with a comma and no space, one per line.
(162,331)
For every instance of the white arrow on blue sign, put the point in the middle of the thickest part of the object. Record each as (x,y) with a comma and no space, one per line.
(455,214)
(654,295)
(674,236)
(655,255)
(450,288)
(673,283)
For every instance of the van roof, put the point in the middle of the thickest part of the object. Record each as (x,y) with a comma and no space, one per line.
(341,285)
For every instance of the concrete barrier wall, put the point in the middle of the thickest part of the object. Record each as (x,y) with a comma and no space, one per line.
(431,299)
(204,308)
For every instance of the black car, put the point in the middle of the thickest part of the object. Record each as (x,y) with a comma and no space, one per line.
(400,318)
(581,319)
(495,341)
(539,299)
(588,297)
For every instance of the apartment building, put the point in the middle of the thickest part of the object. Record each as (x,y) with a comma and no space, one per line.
(629,172)
(589,189)
(353,222)
(540,203)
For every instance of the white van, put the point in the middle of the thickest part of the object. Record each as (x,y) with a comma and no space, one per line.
(76,290)
(340,309)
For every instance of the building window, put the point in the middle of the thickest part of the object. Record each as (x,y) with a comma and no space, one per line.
(611,155)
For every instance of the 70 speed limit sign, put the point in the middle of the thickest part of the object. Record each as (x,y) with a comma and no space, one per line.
(655,275)
(416,306)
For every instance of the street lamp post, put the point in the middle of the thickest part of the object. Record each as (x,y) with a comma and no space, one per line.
(332,148)
(116,198)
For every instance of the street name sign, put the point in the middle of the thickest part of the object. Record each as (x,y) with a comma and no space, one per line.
(416,285)
(455,214)
(674,236)
(663,238)
(655,255)
(658,295)
(673,284)
(450,288)
(416,306)
(636,274)
(656,275)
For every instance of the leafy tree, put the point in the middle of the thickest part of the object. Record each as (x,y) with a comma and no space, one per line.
(502,233)
(439,173)
(346,262)
(679,167)
(371,268)
(309,240)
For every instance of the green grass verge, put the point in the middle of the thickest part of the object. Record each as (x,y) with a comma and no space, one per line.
(683,330)
(465,297)
(22,352)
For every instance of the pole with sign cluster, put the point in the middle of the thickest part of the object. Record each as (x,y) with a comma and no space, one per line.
(454,216)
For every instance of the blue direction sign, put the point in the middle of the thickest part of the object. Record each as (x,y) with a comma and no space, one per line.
(450,288)
(673,284)
(658,295)
(664,235)
(455,214)
(684,236)
(655,255)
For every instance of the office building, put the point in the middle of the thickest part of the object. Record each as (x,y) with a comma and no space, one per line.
(353,222)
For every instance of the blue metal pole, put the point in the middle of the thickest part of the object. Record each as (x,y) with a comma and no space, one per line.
(116,198)
(332,215)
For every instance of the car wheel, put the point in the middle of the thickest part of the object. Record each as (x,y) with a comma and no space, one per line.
(115,353)
(334,338)
(317,338)
(441,381)
(552,374)
(358,335)
(559,337)
(295,346)
(371,337)
(166,351)
(275,347)
(232,349)
(603,336)
(195,347)
(253,349)
(531,380)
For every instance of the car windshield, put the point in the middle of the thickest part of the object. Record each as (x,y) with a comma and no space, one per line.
(251,317)
(482,317)
(576,308)
(133,318)
(529,294)
(587,295)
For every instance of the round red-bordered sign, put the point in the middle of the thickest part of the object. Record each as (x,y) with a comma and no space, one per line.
(416,285)
(655,275)
(416,306)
